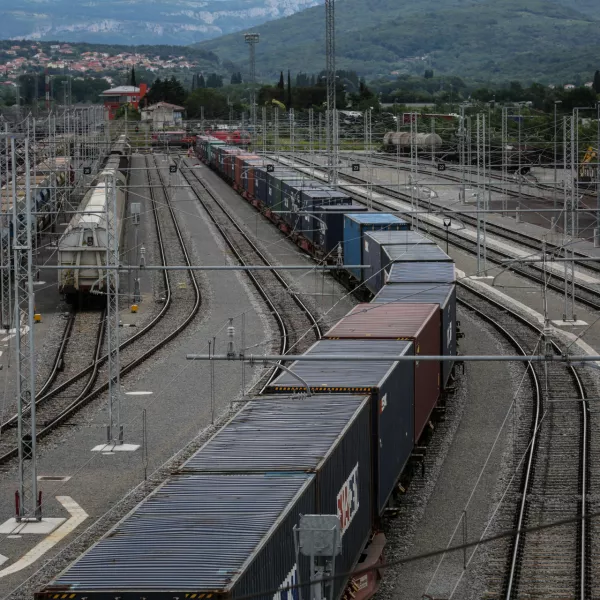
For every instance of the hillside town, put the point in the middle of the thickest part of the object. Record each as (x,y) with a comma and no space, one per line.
(27,57)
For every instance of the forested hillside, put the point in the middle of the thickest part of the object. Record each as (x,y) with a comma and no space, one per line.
(491,39)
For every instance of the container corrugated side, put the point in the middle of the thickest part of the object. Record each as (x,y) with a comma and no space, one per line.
(330,225)
(372,244)
(391,385)
(421,272)
(227,534)
(419,323)
(326,434)
(428,293)
(355,226)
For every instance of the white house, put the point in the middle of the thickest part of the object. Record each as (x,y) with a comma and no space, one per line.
(163,114)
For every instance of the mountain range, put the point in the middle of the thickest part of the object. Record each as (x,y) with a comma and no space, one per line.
(477,39)
(137,21)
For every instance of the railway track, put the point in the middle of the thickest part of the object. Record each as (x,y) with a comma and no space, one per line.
(556,443)
(293,317)
(527,241)
(585,294)
(133,351)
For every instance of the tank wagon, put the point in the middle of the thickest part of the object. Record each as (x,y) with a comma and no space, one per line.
(341,445)
(84,242)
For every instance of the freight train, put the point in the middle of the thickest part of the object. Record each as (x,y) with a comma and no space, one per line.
(431,146)
(228,523)
(83,244)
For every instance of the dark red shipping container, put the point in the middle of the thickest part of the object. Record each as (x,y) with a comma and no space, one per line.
(241,169)
(419,323)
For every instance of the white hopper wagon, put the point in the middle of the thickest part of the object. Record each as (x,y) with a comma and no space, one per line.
(84,242)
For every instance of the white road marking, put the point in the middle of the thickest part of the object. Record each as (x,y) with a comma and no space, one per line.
(3,559)
(140,393)
(78,516)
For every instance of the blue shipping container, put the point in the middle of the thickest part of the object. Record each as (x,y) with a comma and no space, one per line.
(391,385)
(354,227)
(372,244)
(429,293)
(329,226)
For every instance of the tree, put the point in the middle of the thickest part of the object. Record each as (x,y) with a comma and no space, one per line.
(133,114)
(133,83)
(281,85)
(201,82)
(193,82)
(597,82)
(213,101)
(289,91)
(214,81)
(428,74)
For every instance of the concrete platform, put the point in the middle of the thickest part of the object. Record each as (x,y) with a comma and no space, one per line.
(44,527)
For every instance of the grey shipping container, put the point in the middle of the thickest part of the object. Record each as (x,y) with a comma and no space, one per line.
(373,242)
(428,293)
(391,385)
(274,185)
(329,226)
(329,435)
(229,535)
(421,272)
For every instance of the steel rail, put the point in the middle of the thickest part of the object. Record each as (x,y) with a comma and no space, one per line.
(88,395)
(264,294)
(469,246)
(583,557)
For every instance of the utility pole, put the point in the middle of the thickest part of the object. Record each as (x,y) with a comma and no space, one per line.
(597,231)
(556,103)
(5,248)
(28,502)
(570,150)
(252,39)
(332,149)
(504,160)
(114,432)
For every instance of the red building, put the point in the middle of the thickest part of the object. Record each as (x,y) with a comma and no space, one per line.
(124,94)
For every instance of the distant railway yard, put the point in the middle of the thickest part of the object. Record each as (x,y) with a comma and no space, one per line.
(219,347)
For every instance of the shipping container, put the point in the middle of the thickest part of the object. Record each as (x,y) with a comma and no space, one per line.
(307,201)
(391,386)
(291,191)
(248,176)
(419,323)
(241,168)
(274,181)
(421,272)
(428,293)
(355,224)
(329,435)
(329,226)
(372,244)
(227,535)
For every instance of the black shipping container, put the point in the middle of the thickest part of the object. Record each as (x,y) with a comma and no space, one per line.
(329,226)
(274,186)
(228,535)
(291,192)
(329,435)
(429,293)
(391,385)
(373,242)
(308,201)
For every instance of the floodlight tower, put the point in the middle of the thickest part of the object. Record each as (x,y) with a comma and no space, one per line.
(330,74)
(252,39)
